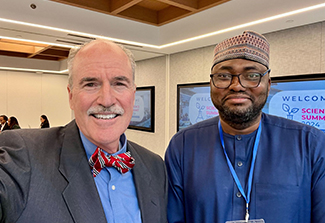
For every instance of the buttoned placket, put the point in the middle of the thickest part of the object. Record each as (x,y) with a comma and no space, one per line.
(242,146)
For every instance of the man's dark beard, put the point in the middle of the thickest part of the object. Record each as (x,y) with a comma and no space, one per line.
(239,118)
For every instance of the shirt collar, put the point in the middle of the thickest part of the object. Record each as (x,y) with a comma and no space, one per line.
(90,147)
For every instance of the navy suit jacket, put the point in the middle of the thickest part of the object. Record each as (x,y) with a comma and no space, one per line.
(45,177)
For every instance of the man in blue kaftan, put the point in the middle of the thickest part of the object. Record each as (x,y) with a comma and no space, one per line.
(245,166)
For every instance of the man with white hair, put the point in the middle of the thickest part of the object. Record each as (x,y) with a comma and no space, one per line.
(86,171)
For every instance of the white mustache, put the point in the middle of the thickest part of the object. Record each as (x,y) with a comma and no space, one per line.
(101,109)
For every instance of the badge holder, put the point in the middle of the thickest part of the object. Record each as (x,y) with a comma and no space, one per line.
(249,221)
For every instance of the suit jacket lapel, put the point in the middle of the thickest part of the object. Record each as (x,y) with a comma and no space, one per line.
(81,195)
(147,197)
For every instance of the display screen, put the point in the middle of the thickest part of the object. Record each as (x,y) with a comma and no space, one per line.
(143,109)
(300,98)
(194,104)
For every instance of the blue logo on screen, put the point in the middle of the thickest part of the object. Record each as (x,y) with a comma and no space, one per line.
(200,115)
(289,112)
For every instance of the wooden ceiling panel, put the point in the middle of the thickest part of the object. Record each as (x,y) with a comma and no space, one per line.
(205,4)
(24,49)
(118,6)
(44,57)
(3,40)
(153,5)
(13,54)
(190,5)
(55,53)
(17,47)
(153,12)
(94,5)
(140,14)
(170,14)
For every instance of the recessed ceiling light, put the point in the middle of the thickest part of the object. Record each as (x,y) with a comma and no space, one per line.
(33,6)
(38,71)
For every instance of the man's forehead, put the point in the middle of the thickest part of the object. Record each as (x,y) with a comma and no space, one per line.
(238,63)
(101,55)
(100,47)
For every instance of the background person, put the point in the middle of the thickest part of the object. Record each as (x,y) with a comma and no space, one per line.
(44,122)
(13,123)
(4,123)
(54,175)
(245,164)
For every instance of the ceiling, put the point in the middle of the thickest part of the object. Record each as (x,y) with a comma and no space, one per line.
(54,26)
(153,12)
(24,49)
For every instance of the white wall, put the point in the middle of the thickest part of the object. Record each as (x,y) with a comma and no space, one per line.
(153,73)
(29,95)
(298,50)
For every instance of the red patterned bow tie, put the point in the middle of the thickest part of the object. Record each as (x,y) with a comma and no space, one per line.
(122,162)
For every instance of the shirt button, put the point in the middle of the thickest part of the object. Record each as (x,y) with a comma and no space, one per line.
(113,187)
(239,164)
(238,194)
(238,138)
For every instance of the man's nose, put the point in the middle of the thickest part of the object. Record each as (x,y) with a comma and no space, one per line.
(106,95)
(235,84)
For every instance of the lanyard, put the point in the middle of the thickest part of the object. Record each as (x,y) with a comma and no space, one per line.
(234,175)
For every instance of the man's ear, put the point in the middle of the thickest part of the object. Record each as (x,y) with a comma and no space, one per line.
(70,96)
(269,82)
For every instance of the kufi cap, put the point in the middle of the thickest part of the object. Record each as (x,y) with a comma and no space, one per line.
(250,46)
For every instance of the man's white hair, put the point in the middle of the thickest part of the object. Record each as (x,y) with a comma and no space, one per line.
(73,52)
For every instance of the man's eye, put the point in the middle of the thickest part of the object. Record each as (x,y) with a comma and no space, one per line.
(252,75)
(223,76)
(121,84)
(89,85)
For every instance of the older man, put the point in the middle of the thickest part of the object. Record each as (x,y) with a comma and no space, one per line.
(86,171)
(245,166)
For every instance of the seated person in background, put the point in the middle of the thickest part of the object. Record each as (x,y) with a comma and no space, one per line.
(13,123)
(4,123)
(44,122)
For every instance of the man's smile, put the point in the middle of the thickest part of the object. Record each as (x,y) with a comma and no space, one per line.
(105,116)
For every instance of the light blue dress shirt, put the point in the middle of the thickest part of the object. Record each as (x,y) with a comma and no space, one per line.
(117,191)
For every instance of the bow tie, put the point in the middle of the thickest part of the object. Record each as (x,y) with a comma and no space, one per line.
(122,162)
